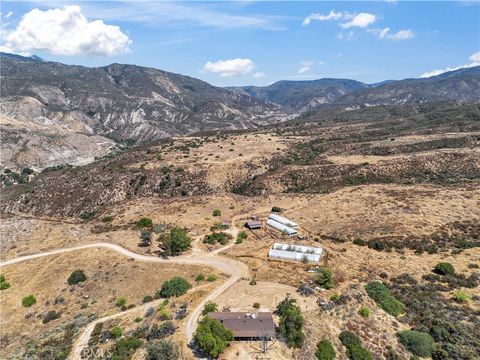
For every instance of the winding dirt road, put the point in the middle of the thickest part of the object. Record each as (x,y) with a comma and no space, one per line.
(235,269)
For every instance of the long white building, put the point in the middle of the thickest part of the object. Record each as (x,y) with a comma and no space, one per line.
(283,220)
(295,252)
(282,227)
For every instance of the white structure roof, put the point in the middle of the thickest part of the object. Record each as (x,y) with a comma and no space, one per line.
(283,220)
(298,248)
(293,255)
(281,227)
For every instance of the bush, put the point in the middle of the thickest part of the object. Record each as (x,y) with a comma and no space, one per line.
(357,352)
(376,245)
(162,350)
(461,296)
(209,306)
(335,297)
(125,348)
(147,298)
(352,342)
(29,300)
(325,350)
(175,242)
(51,315)
(290,327)
(116,331)
(382,296)
(213,238)
(121,302)
(144,222)
(444,268)
(76,277)
(242,235)
(256,305)
(164,314)
(359,242)
(212,277)
(325,278)
(349,338)
(4,284)
(212,337)
(161,331)
(138,319)
(217,212)
(364,312)
(417,342)
(199,277)
(176,286)
(107,218)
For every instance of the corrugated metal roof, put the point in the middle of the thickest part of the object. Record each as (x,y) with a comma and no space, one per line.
(283,220)
(247,325)
(281,227)
(254,224)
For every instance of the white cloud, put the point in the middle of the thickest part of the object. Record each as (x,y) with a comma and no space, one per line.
(306,66)
(316,16)
(232,67)
(64,31)
(8,15)
(361,20)
(474,61)
(397,36)
(259,75)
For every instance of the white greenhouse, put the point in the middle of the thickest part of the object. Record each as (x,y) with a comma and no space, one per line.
(281,227)
(295,252)
(283,220)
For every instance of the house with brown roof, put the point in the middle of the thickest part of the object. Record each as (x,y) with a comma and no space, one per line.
(251,326)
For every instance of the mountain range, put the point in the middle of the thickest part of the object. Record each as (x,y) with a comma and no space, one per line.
(52,113)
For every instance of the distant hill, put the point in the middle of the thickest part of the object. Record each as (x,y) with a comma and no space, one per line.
(305,95)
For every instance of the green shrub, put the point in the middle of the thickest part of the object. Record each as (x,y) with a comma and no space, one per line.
(121,302)
(116,331)
(364,312)
(138,319)
(444,268)
(357,352)
(256,305)
(209,306)
(212,277)
(242,235)
(147,298)
(161,331)
(29,300)
(325,350)
(215,237)
(216,212)
(349,338)
(144,222)
(51,315)
(4,284)
(461,296)
(212,337)
(335,297)
(325,278)
(162,350)
(107,218)
(175,242)
(417,342)
(199,277)
(124,348)
(176,286)
(382,296)
(164,314)
(76,277)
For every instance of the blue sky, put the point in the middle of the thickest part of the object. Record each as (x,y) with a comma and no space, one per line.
(251,43)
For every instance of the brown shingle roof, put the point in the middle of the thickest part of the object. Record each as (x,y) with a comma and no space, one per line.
(247,325)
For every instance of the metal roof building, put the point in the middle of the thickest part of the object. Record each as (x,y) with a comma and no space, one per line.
(295,252)
(282,227)
(253,224)
(283,220)
(247,325)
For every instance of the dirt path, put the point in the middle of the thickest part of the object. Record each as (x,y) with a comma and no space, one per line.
(235,269)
